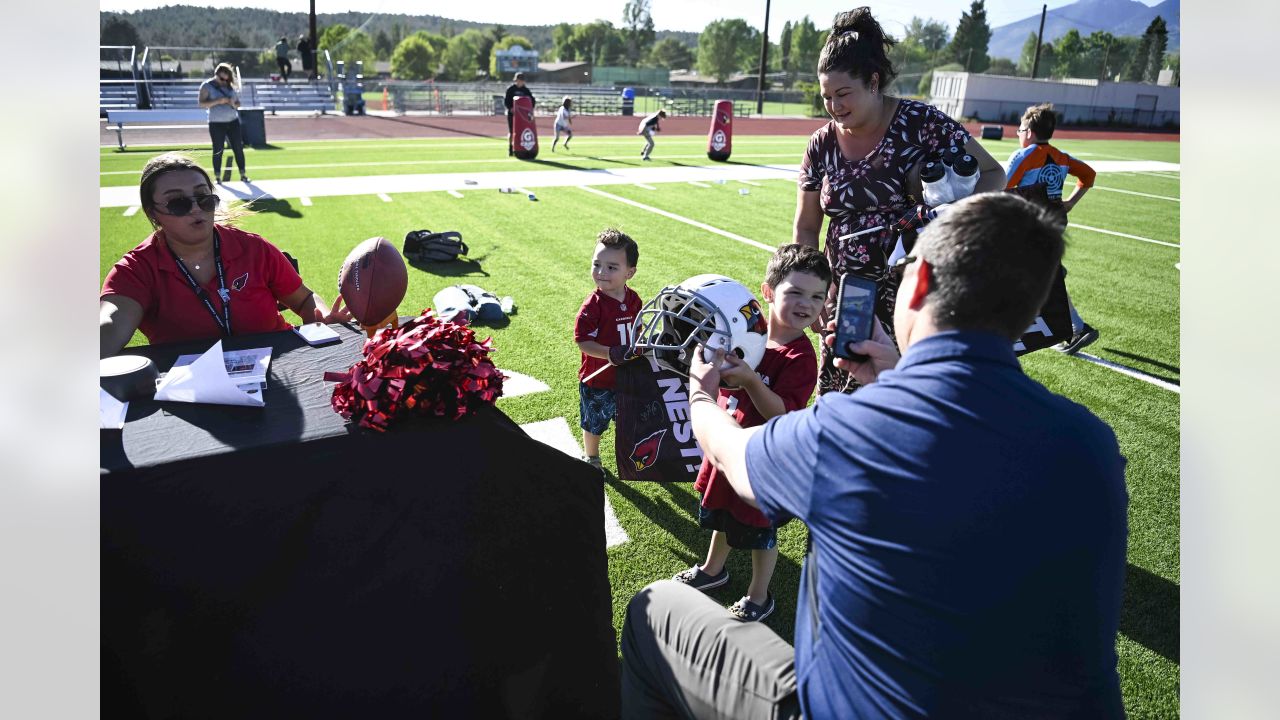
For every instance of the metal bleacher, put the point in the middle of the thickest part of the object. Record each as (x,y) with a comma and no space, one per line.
(117,95)
(266,94)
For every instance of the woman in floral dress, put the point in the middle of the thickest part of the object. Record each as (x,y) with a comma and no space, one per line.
(862,169)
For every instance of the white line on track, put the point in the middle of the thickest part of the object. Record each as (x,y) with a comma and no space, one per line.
(642,186)
(1124,235)
(698,184)
(132,210)
(306,201)
(680,218)
(455,193)
(384,197)
(1124,370)
(1140,194)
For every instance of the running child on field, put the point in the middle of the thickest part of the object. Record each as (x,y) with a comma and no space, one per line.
(795,286)
(564,122)
(649,126)
(1036,161)
(603,334)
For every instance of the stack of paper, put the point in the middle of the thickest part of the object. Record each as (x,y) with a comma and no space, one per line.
(232,378)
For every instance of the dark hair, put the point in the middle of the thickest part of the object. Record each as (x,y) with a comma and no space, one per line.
(613,238)
(662,113)
(796,258)
(992,257)
(858,46)
(176,162)
(1041,120)
(519,76)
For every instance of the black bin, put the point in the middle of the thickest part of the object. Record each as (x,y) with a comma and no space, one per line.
(992,132)
(253,126)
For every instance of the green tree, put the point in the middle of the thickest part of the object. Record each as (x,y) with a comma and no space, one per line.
(931,34)
(806,46)
(1173,61)
(723,47)
(497,32)
(1028,57)
(637,31)
(562,42)
(414,59)
(460,55)
(672,54)
(483,51)
(1002,66)
(1070,48)
(507,41)
(382,46)
(969,46)
(347,45)
(119,31)
(1159,33)
(598,42)
(1136,70)
(784,43)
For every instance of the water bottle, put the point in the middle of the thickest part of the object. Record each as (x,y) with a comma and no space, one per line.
(743,191)
(933,176)
(963,176)
(506,190)
(533,197)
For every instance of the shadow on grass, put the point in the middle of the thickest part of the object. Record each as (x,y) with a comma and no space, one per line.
(1148,361)
(1149,614)
(454,268)
(276,207)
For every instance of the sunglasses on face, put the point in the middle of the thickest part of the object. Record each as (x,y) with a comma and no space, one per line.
(180,206)
(899,268)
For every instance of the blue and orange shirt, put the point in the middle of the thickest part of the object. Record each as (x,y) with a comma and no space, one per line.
(1044,163)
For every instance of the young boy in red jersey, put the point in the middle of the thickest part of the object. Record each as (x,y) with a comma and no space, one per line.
(795,286)
(1036,161)
(603,334)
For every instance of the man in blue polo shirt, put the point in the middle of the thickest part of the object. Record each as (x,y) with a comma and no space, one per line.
(967,527)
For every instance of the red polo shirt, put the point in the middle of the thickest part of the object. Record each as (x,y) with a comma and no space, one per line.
(257,274)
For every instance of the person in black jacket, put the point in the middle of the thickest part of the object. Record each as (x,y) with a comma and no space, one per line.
(516,88)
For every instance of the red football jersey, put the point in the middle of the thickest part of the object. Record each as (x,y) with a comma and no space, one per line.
(608,322)
(789,370)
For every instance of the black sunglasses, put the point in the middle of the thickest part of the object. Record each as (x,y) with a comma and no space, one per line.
(899,268)
(182,205)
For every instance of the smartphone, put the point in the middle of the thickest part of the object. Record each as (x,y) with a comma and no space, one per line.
(855,311)
(317,334)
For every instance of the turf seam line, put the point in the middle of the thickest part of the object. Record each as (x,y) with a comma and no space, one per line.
(1126,370)
(1124,235)
(384,197)
(679,218)
(131,210)
(454,193)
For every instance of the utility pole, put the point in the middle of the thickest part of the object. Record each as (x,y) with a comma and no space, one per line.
(1035,63)
(764,61)
(315,52)
(1106,58)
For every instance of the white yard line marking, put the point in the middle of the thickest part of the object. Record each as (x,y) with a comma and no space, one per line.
(1124,370)
(454,193)
(1123,235)
(680,218)
(556,433)
(752,184)
(642,186)
(384,197)
(698,184)
(132,210)
(515,384)
(1134,192)
(306,201)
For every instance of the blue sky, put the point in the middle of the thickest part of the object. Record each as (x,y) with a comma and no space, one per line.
(690,15)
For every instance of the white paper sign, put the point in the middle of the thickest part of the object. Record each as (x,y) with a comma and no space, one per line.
(205,380)
(111,411)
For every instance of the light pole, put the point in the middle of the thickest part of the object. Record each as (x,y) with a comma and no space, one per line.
(764,61)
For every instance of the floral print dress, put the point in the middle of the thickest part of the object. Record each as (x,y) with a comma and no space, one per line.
(870,192)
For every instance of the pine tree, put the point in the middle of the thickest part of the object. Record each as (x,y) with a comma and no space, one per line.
(969,45)
(1159,33)
(1136,70)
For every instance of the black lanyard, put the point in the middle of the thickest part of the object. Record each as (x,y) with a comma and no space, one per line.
(224,321)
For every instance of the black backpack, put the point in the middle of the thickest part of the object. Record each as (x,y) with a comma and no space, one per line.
(426,246)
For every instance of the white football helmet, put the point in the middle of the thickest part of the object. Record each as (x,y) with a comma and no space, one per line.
(713,310)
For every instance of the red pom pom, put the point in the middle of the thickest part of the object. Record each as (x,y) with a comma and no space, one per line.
(424,367)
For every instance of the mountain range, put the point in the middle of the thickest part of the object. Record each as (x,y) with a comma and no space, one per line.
(1118,17)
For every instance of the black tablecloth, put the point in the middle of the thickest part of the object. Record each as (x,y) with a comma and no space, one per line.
(273,562)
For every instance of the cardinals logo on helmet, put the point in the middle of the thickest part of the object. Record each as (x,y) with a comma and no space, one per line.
(645,452)
(755,319)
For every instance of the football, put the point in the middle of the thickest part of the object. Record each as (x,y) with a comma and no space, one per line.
(373,281)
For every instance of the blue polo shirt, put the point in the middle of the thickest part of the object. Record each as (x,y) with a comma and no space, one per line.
(967,533)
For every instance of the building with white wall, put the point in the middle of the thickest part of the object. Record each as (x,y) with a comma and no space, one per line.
(1003,99)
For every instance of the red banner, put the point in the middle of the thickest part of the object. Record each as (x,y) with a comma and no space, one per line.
(524,133)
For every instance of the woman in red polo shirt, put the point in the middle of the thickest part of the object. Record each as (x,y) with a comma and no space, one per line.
(194,278)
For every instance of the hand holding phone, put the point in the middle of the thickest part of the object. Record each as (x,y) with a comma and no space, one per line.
(317,334)
(855,311)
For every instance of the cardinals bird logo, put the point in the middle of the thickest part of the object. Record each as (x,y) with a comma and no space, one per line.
(645,453)
(755,319)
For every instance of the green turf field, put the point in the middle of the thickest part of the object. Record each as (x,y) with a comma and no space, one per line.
(540,254)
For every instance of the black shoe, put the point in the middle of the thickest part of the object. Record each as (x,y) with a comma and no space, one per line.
(695,578)
(244,179)
(748,611)
(1085,337)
